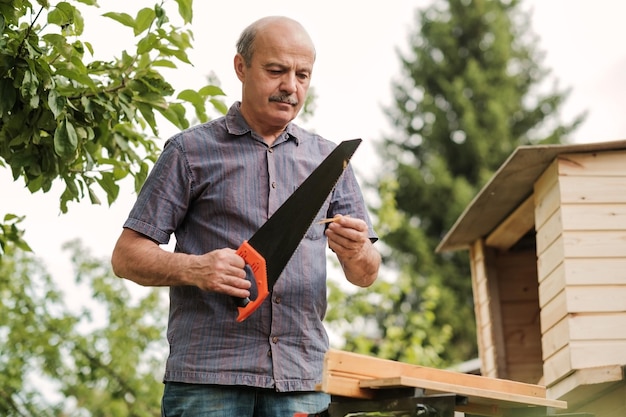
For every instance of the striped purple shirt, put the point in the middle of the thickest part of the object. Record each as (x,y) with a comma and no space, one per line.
(212,187)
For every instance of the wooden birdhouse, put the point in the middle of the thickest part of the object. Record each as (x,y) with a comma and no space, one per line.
(547,244)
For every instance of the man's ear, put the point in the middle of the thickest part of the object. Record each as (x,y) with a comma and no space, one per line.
(240,67)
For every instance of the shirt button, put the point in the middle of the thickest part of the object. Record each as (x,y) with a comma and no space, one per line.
(270,150)
(275,339)
(273,184)
(277,300)
(269,353)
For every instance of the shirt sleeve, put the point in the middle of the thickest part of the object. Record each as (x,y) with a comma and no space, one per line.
(164,198)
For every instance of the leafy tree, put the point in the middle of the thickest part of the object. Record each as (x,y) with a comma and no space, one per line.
(101,359)
(472,90)
(88,124)
(64,116)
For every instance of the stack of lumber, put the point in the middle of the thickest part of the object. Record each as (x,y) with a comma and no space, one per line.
(353,375)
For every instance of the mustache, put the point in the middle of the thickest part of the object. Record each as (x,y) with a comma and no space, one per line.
(284,98)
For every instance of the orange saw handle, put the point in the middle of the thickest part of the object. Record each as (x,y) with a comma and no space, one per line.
(259,270)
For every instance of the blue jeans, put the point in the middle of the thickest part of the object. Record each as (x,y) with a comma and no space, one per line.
(196,400)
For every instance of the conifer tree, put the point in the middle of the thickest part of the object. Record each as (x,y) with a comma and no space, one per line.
(472,89)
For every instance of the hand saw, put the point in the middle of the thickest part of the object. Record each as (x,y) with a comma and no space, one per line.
(270,248)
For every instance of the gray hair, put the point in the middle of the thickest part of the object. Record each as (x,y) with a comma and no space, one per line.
(245,43)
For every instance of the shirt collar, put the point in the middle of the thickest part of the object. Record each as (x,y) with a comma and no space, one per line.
(237,125)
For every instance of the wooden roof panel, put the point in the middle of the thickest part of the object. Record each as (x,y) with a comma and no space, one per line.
(508,188)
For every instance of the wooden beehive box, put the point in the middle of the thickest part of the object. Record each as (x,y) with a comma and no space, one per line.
(547,244)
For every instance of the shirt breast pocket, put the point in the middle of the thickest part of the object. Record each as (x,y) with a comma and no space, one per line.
(316,230)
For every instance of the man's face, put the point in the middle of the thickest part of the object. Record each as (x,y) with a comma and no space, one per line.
(276,83)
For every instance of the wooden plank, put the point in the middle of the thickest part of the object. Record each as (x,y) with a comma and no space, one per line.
(345,385)
(592,190)
(549,232)
(598,326)
(514,227)
(580,355)
(487,310)
(557,366)
(611,163)
(553,311)
(589,271)
(550,258)
(551,285)
(594,353)
(593,216)
(547,195)
(555,338)
(367,367)
(594,244)
(474,394)
(595,299)
(583,384)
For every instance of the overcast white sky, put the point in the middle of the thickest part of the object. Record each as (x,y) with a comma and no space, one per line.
(356,44)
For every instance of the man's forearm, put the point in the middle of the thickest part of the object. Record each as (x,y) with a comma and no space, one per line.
(141,260)
(362,269)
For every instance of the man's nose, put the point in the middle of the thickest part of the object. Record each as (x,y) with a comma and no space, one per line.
(289,83)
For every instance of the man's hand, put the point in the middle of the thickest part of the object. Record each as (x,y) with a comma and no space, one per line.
(348,238)
(222,271)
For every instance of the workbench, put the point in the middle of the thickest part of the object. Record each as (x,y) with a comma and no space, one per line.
(362,385)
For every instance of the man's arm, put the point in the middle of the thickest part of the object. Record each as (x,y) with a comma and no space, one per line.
(360,260)
(140,259)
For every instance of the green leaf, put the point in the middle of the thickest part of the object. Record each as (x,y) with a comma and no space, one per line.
(219,105)
(79,23)
(62,15)
(78,76)
(56,103)
(144,19)
(65,139)
(59,43)
(89,47)
(108,184)
(175,113)
(147,43)
(93,197)
(185,9)
(211,90)
(191,96)
(197,101)
(180,54)
(148,115)
(123,18)
(163,63)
